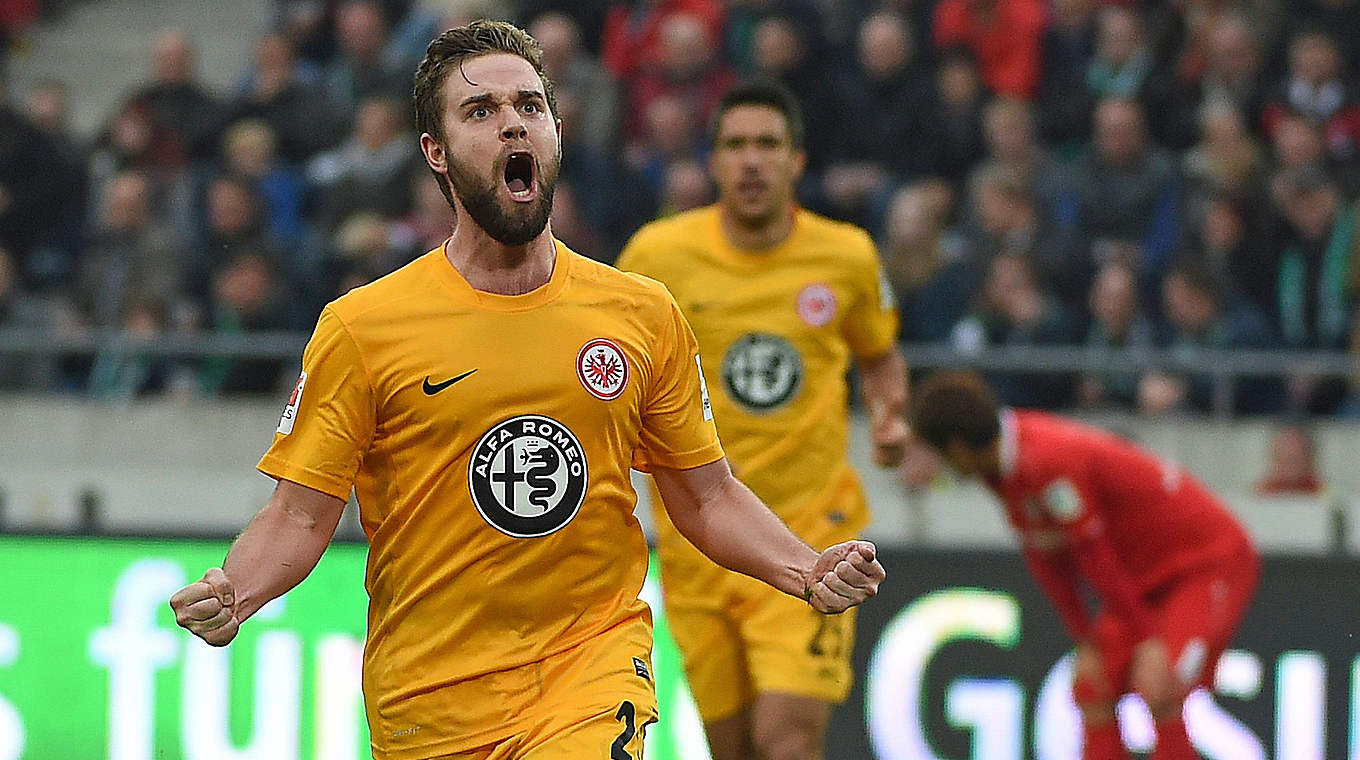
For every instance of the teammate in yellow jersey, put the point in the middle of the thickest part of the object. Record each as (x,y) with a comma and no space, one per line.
(486,403)
(780,300)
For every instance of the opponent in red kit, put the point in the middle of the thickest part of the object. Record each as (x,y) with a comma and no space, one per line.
(1172,569)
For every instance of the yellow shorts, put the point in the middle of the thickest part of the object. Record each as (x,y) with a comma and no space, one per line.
(760,641)
(611,735)
(595,703)
(740,638)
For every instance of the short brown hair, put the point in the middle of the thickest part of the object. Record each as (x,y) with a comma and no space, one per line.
(955,405)
(762,92)
(450,50)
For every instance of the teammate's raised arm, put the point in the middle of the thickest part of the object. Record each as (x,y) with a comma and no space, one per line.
(883,382)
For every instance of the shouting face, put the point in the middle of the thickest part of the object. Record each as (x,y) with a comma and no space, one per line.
(501,147)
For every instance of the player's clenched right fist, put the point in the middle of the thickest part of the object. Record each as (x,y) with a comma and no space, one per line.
(207,609)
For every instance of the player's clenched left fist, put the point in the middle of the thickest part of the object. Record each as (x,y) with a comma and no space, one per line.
(845,575)
(207,609)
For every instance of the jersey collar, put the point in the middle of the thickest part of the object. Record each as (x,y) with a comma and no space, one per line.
(1010,443)
(752,257)
(453,280)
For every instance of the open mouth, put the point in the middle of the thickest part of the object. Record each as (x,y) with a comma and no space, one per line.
(752,186)
(519,176)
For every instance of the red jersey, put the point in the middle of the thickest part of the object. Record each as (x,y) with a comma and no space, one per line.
(1090,507)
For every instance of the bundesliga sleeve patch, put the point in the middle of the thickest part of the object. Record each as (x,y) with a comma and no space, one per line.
(703,390)
(886,299)
(290,412)
(1062,501)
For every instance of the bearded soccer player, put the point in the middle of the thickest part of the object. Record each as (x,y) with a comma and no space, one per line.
(485,402)
(780,300)
(1172,569)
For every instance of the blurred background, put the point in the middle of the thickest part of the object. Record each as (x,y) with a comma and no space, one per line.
(1143,213)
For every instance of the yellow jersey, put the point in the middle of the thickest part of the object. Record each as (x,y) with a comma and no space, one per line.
(776,330)
(488,439)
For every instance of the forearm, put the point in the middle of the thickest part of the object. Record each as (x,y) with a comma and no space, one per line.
(729,524)
(1100,566)
(884,384)
(276,551)
(1054,575)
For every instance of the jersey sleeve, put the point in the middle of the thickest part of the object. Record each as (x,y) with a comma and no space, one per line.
(677,418)
(870,325)
(329,420)
(1071,502)
(1059,579)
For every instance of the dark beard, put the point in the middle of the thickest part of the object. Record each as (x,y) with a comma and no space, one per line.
(512,228)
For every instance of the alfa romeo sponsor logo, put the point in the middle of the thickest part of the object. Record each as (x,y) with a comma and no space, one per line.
(762,371)
(602,368)
(528,476)
(816,305)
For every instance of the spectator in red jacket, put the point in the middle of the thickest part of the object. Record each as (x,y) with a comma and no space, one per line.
(688,66)
(633,31)
(1003,34)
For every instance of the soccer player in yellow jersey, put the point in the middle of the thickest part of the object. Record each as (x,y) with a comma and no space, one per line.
(485,403)
(780,300)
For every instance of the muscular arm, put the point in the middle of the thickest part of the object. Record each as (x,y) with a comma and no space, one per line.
(884,386)
(281,545)
(273,554)
(720,516)
(729,523)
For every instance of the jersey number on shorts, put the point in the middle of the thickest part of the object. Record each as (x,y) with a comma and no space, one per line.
(829,640)
(628,714)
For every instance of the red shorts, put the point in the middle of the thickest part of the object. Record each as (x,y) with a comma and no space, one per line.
(1195,616)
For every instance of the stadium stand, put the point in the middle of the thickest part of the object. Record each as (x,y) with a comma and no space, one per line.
(260,174)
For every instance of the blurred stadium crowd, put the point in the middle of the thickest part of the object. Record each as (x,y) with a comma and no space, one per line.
(1138,174)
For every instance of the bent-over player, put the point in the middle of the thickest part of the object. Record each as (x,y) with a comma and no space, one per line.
(1173,570)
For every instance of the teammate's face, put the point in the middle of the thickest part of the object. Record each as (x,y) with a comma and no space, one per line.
(755,164)
(501,147)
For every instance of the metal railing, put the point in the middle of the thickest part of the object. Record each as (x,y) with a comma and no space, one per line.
(1225,367)
(206,345)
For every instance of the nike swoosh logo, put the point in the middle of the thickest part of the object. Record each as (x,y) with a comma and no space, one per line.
(433,388)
